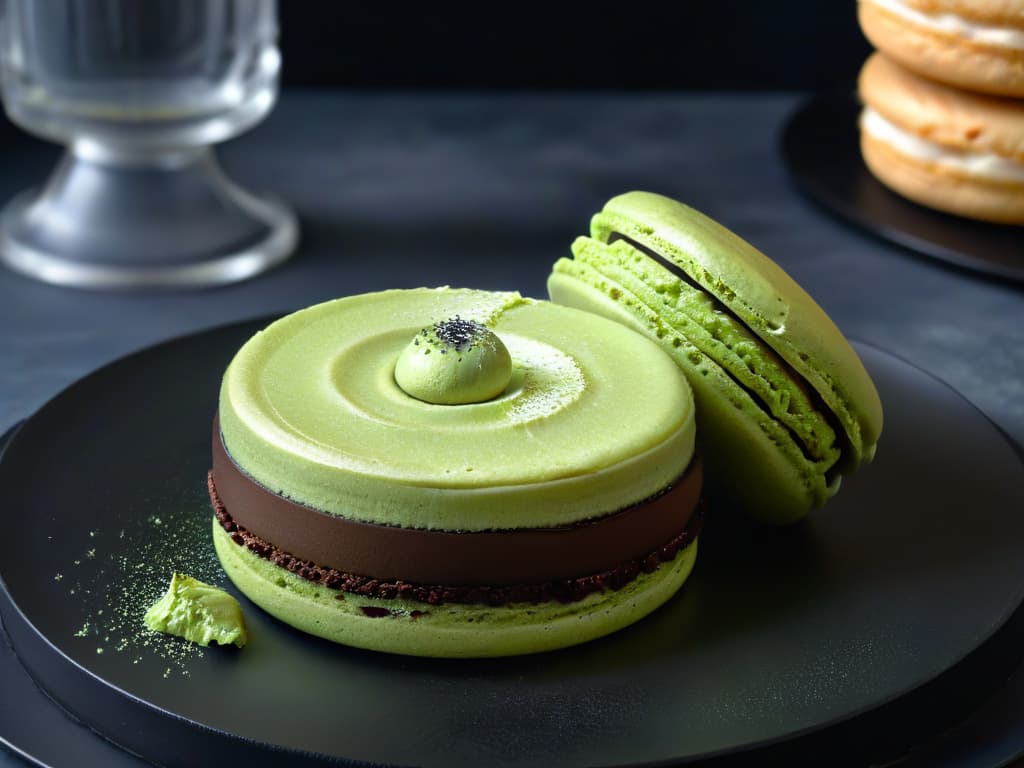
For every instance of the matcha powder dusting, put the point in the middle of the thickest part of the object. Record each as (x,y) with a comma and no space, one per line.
(112,589)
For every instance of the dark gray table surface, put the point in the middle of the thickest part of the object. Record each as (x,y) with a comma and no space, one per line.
(400,190)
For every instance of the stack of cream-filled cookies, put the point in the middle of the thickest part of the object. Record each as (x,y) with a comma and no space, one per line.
(943,118)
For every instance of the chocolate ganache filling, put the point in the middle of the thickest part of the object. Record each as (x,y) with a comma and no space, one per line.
(493,566)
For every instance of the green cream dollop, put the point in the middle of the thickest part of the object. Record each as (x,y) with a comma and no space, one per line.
(454,362)
(197,612)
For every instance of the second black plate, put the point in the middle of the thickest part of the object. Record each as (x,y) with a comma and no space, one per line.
(821,148)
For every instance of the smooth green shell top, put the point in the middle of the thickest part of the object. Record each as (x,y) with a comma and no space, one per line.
(454,362)
(594,418)
(764,297)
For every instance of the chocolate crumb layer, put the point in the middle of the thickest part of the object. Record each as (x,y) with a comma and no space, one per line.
(561,590)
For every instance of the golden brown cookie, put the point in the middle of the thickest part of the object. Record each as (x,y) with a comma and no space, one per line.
(978,45)
(942,147)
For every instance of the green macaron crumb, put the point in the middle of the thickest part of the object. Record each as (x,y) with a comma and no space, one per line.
(454,362)
(198,612)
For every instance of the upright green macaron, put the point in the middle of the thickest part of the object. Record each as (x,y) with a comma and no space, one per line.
(785,406)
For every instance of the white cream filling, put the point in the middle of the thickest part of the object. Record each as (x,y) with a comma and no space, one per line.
(986,165)
(950,23)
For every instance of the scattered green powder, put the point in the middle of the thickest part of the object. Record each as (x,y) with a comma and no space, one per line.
(130,568)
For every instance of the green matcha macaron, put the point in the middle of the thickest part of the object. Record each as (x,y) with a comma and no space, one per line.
(784,405)
(454,473)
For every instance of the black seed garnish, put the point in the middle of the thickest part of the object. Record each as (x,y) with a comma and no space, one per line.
(458,333)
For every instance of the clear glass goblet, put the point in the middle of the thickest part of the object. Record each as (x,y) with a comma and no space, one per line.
(139,91)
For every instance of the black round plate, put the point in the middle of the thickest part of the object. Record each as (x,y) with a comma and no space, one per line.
(880,616)
(821,148)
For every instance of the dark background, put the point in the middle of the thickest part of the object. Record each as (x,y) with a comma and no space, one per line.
(709,44)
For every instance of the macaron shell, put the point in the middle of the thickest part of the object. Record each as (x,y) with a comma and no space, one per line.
(695,316)
(948,116)
(751,459)
(450,630)
(309,408)
(944,148)
(945,56)
(764,297)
